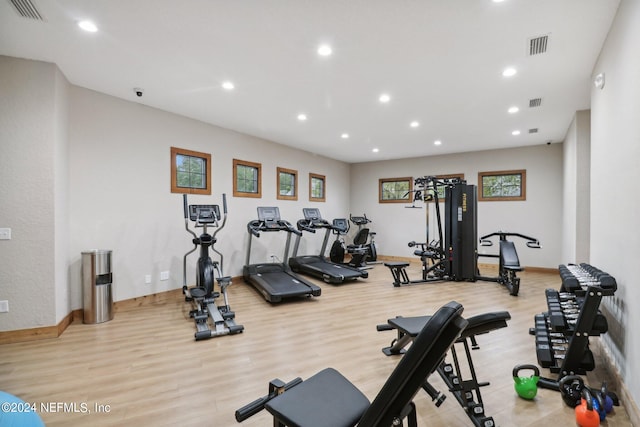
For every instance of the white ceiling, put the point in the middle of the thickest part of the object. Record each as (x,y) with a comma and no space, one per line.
(439,60)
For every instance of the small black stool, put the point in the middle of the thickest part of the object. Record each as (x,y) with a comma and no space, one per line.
(398,272)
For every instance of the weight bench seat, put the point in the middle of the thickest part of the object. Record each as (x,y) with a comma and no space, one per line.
(328,399)
(334,402)
(479,324)
(399,272)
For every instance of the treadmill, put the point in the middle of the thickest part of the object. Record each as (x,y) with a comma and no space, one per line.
(318,265)
(275,281)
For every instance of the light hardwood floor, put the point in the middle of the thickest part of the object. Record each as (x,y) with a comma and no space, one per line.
(145,365)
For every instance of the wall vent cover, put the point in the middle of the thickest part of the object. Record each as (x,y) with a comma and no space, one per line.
(533,130)
(538,45)
(26,9)
(535,102)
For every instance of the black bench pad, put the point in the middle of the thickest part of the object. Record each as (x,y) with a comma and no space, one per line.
(335,402)
(480,324)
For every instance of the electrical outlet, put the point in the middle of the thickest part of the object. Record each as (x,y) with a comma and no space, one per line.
(147,279)
(4,306)
(164,275)
(5,234)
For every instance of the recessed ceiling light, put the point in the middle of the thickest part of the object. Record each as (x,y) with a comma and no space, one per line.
(509,72)
(414,124)
(228,85)
(88,26)
(515,132)
(513,110)
(437,142)
(384,98)
(375,150)
(498,1)
(344,136)
(325,50)
(302,117)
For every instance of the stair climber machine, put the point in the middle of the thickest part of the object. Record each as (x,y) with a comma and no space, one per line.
(202,296)
(275,281)
(318,265)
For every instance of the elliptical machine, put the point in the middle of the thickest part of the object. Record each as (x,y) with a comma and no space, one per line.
(208,271)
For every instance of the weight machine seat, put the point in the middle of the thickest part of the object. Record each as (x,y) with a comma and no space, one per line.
(328,399)
(426,254)
(509,256)
(479,324)
(359,241)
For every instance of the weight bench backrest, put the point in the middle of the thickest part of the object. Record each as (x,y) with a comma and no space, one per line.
(508,254)
(361,237)
(421,359)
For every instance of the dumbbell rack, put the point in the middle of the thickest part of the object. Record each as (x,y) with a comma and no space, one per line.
(562,333)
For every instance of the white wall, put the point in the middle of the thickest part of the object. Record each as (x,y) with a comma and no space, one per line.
(121,200)
(576,194)
(539,216)
(33,176)
(615,154)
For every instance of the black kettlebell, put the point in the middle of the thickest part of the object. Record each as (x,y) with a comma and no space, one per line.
(526,387)
(571,387)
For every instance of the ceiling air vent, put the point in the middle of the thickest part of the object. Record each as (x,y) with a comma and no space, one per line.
(535,102)
(26,9)
(538,45)
(533,130)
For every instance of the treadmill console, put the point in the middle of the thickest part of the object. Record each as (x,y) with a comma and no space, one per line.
(313,217)
(269,216)
(204,214)
(311,213)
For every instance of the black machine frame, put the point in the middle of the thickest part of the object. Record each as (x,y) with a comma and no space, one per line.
(275,281)
(208,272)
(318,265)
(466,391)
(453,253)
(509,263)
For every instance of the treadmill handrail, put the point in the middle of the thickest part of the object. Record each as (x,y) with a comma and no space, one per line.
(303,224)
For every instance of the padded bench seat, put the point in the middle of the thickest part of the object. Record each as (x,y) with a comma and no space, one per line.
(480,324)
(336,402)
(398,272)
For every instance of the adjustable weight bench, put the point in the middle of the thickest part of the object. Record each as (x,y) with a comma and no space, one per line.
(467,392)
(328,399)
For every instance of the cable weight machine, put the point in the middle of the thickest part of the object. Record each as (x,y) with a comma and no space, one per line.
(451,255)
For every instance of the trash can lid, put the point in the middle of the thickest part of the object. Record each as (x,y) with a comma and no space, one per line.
(97,251)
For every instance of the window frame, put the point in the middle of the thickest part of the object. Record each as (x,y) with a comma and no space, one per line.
(323,178)
(175,152)
(293,172)
(407,199)
(523,185)
(246,163)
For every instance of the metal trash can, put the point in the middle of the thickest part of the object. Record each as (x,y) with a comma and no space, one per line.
(97,283)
